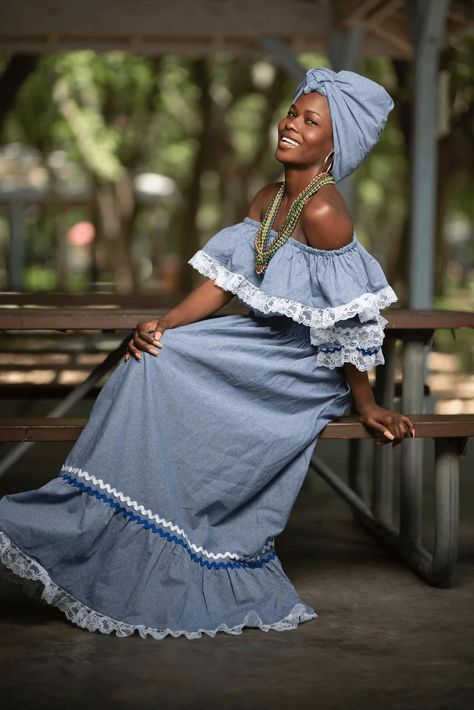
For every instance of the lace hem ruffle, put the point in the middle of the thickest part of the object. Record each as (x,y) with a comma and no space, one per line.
(366,306)
(22,569)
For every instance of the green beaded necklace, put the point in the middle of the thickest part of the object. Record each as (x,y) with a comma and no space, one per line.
(264,250)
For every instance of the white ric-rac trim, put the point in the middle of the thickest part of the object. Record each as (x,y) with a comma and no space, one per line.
(161,521)
(366,306)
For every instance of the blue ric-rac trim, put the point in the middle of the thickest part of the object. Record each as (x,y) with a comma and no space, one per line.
(336,349)
(164,533)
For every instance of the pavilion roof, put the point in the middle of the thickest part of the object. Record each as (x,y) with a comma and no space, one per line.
(206,26)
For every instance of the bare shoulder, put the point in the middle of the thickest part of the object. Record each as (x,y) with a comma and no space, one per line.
(326,220)
(261,200)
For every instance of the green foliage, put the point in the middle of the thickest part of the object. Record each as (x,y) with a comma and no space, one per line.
(117,113)
(245,123)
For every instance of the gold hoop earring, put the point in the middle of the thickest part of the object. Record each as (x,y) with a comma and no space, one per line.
(331,153)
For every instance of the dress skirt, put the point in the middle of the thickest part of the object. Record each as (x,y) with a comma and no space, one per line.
(164,516)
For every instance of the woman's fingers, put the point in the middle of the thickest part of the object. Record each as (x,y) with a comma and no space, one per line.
(381,428)
(145,339)
(141,344)
(411,426)
(134,350)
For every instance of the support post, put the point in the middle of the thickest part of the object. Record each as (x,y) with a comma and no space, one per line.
(344,52)
(427,21)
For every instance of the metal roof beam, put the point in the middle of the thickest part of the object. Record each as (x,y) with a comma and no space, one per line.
(283,55)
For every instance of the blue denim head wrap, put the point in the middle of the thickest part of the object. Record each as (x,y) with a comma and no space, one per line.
(359,109)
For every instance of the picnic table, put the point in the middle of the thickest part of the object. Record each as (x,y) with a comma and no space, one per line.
(413,329)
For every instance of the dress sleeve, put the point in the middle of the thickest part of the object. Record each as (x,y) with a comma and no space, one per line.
(338,294)
(356,290)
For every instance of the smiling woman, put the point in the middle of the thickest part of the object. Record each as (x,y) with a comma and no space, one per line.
(163,518)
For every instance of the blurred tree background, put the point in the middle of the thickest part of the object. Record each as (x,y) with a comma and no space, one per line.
(117,167)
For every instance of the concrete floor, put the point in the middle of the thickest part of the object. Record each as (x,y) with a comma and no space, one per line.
(383,637)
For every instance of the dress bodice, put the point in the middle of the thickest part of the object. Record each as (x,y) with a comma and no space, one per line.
(337,293)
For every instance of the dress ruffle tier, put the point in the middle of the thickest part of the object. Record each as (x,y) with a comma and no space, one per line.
(338,294)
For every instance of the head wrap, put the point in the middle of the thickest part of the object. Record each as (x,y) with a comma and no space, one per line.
(359,109)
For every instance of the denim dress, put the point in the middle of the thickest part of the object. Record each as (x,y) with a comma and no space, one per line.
(163,518)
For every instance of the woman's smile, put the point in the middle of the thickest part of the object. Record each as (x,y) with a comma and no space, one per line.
(287,142)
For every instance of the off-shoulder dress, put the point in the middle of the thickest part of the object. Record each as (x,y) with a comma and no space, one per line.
(164,515)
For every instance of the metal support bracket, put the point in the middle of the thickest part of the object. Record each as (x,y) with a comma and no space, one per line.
(69,401)
(437,567)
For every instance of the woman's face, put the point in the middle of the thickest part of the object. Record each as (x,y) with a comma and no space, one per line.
(309,128)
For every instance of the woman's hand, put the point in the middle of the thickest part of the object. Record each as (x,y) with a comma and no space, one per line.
(146,335)
(393,426)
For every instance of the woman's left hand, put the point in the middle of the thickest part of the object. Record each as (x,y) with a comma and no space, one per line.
(392,426)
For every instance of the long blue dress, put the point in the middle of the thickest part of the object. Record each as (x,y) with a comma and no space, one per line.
(163,518)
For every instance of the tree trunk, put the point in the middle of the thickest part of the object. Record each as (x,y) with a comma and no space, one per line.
(115,240)
(190,233)
(17,70)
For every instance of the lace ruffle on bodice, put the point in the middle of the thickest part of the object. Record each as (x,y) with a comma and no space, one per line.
(337,293)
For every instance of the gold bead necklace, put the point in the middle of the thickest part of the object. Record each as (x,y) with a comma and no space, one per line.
(264,250)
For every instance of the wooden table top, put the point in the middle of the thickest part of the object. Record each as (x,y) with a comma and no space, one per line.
(114,318)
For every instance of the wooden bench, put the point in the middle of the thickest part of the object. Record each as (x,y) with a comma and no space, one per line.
(414,329)
(449,432)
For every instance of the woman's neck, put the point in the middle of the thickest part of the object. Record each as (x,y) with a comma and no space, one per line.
(296,181)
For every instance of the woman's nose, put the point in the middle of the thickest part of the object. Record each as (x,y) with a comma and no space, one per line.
(290,123)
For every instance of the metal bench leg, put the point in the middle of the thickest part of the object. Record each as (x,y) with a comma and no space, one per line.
(382,467)
(436,568)
(447,453)
(411,475)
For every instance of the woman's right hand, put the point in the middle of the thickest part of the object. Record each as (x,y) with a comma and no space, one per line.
(146,335)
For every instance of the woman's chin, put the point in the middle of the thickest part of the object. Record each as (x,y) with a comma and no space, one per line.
(281,154)
(282,157)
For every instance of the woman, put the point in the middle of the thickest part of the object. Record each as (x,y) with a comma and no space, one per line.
(164,515)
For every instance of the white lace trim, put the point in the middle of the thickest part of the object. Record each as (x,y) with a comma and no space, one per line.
(338,358)
(365,336)
(339,345)
(161,521)
(20,568)
(366,306)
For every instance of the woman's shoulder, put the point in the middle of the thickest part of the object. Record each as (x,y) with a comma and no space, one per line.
(261,200)
(326,221)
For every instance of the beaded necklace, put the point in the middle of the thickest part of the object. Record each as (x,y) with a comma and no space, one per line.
(264,250)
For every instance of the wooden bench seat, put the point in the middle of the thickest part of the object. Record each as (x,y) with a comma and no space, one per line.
(432,426)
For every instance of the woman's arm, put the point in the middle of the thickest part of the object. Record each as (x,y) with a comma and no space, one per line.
(392,425)
(203,301)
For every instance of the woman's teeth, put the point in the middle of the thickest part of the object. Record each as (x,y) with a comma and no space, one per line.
(288,141)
